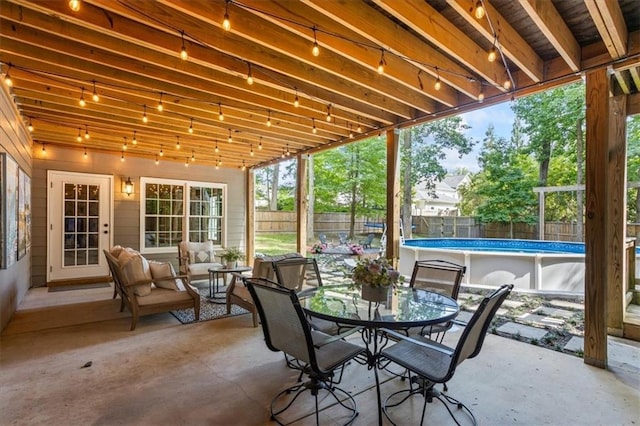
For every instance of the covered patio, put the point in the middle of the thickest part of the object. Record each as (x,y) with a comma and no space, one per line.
(204,91)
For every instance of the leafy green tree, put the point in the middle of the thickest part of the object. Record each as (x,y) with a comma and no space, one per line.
(351,178)
(549,121)
(503,191)
(423,150)
(633,167)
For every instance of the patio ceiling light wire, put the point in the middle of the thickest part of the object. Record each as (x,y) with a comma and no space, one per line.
(498,46)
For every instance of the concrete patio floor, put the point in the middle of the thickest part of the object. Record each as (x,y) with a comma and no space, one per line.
(221,373)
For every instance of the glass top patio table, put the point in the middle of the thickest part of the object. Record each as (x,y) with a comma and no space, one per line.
(404,307)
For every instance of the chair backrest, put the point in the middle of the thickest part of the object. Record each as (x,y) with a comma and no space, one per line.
(342,236)
(284,324)
(475,331)
(322,238)
(116,272)
(437,275)
(263,266)
(369,239)
(294,273)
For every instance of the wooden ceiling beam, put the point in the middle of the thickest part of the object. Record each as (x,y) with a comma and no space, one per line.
(608,19)
(230,89)
(372,25)
(546,17)
(298,18)
(635,76)
(337,65)
(512,44)
(208,31)
(432,26)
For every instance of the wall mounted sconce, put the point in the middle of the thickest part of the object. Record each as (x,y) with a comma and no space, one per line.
(127,186)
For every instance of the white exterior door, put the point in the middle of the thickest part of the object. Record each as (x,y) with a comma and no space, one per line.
(79,211)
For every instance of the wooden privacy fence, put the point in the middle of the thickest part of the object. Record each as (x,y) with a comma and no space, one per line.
(425,226)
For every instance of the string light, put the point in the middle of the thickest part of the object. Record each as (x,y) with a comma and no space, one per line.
(160,106)
(283,153)
(479,12)
(507,84)
(382,62)
(161,153)
(177,142)
(186,162)
(219,162)
(249,75)
(79,137)
(216,149)
(86,132)
(191,126)
(296,101)
(144,115)
(328,117)
(82,101)
(7,78)
(359,128)
(44,150)
(122,157)
(74,5)
(244,167)
(230,139)
(481,95)
(315,51)
(437,84)
(193,156)
(268,118)
(134,140)
(96,98)
(85,152)
(30,125)
(183,50)
(288,152)
(251,151)
(226,24)
(260,143)
(157,160)
(220,113)
(124,145)
(350,132)
(314,129)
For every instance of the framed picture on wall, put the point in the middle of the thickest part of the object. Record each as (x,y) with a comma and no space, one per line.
(9,223)
(24,213)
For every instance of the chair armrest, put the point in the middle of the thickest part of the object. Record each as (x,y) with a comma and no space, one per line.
(422,343)
(140,282)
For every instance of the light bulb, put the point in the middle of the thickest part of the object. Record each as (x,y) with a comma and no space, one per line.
(86,134)
(74,5)
(157,161)
(481,97)
(226,24)
(161,152)
(7,79)
(296,102)
(85,153)
(492,54)
(82,101)
(79,137)
(359,129)
(230,139)
(96,98)
(507,84)
(177,142)
(220,114)
(160,107)
(134,140)
(316,50)
(191,126)
(380,67)
(479,12)
(260,143)
(30,127)
(183,53)
(122,157)
(216,148)
(249,80)
(437,85)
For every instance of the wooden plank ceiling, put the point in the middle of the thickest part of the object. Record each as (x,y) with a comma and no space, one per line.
(434,58)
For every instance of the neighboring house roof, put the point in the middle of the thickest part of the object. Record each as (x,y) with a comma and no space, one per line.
(455,181)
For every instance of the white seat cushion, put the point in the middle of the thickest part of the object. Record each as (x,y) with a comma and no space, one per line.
(202,268)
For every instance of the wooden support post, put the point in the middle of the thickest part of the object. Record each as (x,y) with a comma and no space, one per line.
(597,163)
(616,215)
(301,204)
(250,229)
(393,196)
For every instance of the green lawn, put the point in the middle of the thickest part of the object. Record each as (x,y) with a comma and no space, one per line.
(271,244)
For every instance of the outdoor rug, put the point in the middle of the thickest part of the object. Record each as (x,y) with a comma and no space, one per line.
(208,310)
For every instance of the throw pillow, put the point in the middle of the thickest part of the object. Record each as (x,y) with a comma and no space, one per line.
(201,257)
(116,250)
(135,269)
(163,270)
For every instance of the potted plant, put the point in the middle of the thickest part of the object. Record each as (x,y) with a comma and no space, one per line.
(376,276)
(231,256)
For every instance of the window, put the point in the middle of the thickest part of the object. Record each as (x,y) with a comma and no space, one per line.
(166,221)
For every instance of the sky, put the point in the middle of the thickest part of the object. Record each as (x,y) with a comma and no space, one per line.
(499,115)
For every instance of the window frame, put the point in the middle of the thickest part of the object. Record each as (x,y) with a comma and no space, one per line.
(186,200)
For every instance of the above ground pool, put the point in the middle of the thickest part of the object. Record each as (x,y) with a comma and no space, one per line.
(549,266)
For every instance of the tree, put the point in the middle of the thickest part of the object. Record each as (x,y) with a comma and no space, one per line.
(422,152)
(549,121)
(351,179)
(502,191)
(633,166)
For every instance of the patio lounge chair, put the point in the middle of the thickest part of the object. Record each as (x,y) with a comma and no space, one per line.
(366,243)
(432,363)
